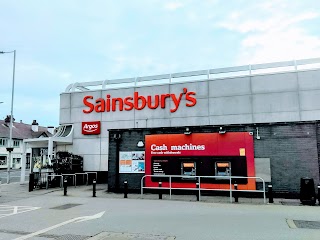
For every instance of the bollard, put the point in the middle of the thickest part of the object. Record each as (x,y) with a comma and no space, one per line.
(125,183)
(31,182)
(94,188)
(236,199)
(270,193)
(160,191)
(319,193)
(65,185)
(197,194)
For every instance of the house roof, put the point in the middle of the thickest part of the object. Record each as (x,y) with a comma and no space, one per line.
(22,131)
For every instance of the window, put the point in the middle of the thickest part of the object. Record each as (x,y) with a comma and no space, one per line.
(16,160)
(3,142)
(3,160)
(16,143)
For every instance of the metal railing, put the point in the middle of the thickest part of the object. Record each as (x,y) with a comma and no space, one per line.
(170,188)
(52,175)
(83,174)
(93,173)
(216,73)
(74,177)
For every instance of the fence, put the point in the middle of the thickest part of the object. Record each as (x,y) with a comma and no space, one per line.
(199,189)
(49,179)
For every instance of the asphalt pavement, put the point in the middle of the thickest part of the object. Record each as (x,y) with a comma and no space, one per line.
(14,175)
(48,214)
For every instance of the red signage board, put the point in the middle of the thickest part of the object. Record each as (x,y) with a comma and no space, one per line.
(91,128)
(230,144)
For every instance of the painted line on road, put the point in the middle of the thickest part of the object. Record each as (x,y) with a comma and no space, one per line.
(13,210)
(78,219)
(291,223)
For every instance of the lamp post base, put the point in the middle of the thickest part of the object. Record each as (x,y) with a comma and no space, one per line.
(9,149)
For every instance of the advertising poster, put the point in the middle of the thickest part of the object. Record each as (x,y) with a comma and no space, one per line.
(132,162)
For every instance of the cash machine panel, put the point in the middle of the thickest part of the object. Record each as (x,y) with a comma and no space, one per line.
(223,169)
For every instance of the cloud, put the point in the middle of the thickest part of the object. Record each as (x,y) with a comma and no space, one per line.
(172,6)
(273,33)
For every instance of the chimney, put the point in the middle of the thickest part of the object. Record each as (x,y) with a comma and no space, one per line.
(50,129)
(35,126)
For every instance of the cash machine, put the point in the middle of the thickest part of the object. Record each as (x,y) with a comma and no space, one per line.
(223,169)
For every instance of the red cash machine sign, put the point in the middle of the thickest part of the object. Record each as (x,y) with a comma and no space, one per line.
(91,128)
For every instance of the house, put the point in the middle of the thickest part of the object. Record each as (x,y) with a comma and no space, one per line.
(20,131)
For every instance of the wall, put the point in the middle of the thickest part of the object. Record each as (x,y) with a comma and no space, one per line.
(266,98)
(291,148)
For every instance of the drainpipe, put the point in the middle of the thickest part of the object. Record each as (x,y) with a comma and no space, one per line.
(117,138)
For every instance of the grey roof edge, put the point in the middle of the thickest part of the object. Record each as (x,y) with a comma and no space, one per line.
(294,63)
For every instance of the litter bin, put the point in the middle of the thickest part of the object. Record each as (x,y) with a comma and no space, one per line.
(307,191)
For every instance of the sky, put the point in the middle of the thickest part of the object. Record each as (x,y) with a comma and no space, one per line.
(62,42)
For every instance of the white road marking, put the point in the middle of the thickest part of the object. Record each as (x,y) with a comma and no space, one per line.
(78,219)
(291,224)
(7,210)
(15,210)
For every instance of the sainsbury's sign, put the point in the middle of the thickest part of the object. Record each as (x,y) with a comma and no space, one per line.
(91,128)
(138,102)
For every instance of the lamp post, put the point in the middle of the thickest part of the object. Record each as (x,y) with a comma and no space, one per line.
(10,147)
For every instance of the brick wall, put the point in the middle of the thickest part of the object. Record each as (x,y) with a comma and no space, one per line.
(293,150)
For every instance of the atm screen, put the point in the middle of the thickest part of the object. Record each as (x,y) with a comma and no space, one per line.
(223,169)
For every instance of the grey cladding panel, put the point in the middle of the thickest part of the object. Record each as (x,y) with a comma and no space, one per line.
(274,83)
(309,80)
(310,100)
(200,88)
(275,102)
(118,115)
(148,113)
(276,117)
(152,91)
(190,121)
(86,146)
(229,87)
(120,124)
(231,119)
(310,115)
(65,100)
(118,93)
(262,166)
(65,116)
(158,123)
(92,162)
(230,105)
(199,110)
(77,116)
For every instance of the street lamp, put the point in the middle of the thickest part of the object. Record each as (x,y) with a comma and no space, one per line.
(10,147)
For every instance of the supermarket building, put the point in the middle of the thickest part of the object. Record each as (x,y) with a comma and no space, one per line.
(254,120)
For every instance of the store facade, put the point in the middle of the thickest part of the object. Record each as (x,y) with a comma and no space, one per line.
(260,122)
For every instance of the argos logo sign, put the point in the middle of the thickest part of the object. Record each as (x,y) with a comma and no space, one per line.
(91,128)
(139,102)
